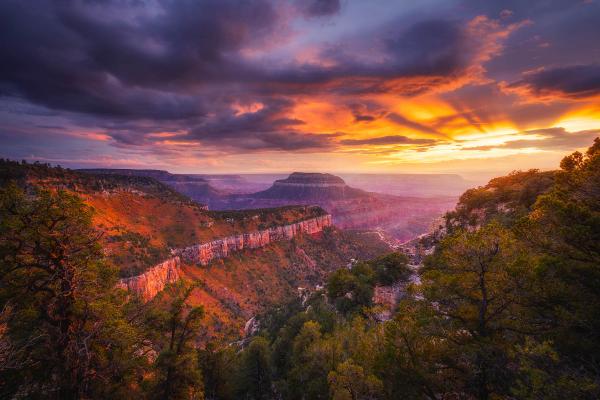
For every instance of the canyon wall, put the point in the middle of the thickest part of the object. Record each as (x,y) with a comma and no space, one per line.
(148,284)
(206,252)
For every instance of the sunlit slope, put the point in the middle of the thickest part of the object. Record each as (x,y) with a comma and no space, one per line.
(141,219)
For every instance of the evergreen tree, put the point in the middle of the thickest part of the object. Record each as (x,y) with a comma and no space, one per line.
(254,378)
(472,290)
(350,382)
(66,336)
(178,374)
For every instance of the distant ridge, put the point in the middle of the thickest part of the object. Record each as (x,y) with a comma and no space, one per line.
(194,186)
(311,186)
(158,174)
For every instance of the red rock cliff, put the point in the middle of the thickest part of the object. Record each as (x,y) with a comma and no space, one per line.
(148,284)
(206,252)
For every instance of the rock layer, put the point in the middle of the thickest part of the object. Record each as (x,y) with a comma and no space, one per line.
(148,284)
(206,252)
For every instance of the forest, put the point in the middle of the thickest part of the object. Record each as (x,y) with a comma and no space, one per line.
(508,307)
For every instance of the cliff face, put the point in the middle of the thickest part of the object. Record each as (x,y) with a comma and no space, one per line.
(206,252)
(148,284)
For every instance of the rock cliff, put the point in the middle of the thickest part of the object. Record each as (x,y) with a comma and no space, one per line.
(148,284)
(206,252)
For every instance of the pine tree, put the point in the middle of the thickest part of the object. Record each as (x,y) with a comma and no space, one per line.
(65,333)
(178,374)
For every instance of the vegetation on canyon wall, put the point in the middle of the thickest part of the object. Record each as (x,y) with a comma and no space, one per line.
(507,307)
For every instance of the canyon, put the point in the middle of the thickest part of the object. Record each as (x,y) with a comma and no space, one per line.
(403,205)
(148,284)
(401,217)
(156,236)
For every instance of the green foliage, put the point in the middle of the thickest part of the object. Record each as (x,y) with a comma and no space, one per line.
(45,174)
(391,268)
(141,253)
(510,306)
(349,382)
(564,229)
(254,374)
(505,198)
(177,372)
(473,287)
(352,290)
(507,307)
(269,217)
(541,375)
(66,333)
(217,366)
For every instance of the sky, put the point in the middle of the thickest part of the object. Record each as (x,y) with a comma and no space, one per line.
(478,88)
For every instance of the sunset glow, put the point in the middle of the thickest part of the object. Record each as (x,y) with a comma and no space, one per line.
(442,87)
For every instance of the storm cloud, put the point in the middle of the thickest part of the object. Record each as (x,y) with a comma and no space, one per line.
(186,62)
(569,82)
(231,76)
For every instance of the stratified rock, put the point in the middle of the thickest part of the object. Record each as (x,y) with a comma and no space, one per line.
(148,284)
(206,252)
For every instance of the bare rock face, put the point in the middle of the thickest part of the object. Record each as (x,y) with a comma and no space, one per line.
(148,284)
(206,252)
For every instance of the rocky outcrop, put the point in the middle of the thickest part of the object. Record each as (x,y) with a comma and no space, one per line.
(148,284)
(206,252)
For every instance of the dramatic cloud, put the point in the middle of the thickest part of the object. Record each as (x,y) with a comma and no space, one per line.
(569,82)
(400,120)
(131,61)
(366,112)
(387,140)
(189,63)
(192,78)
